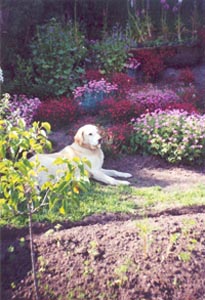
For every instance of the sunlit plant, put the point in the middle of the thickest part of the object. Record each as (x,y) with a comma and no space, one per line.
(175,135)
(20,193)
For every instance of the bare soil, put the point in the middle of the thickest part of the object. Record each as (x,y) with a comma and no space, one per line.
(116,256)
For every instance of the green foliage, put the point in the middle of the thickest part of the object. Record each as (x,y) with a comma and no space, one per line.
(17,184)
(139,26)
(24,76)
(110,53)
(56,64)
(17,141)
(19,190)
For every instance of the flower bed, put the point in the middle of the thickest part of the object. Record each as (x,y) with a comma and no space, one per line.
(92,93)
(175,135)
(57,112)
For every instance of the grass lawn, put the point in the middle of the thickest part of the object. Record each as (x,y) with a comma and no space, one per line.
(123,199)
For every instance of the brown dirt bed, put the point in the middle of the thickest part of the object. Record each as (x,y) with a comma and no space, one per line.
(117,256)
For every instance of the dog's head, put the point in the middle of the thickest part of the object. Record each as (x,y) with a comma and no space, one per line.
(88,136)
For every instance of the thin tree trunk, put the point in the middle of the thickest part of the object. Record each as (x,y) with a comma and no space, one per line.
(35,281)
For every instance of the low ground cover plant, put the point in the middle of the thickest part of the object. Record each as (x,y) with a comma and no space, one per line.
(58,112)
(153,98)
(186,75)
(123,81)
(120,111)
(174,135)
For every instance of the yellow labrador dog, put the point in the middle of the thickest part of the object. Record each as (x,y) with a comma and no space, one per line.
(87,144)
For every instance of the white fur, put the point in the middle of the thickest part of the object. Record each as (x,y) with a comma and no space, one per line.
(86,145)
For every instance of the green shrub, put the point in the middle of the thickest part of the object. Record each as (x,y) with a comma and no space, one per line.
(174,135)
(20,193)
(111,53)
(19,175)
(56,64)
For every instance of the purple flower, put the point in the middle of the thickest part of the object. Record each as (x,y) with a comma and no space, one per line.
(166,6)
(175,9)
(94,87)
(23,107)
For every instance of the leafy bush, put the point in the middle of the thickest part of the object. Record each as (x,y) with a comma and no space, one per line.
(120,111)
(123,81)
(57,112)
(92,93)
(174,135)
(110,53)
(19,190)
(56,65)
(117,139)
(152,62)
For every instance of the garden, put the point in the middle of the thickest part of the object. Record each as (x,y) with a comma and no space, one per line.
(136,69)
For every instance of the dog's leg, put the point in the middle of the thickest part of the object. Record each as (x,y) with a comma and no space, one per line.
(116,173)
(102,177)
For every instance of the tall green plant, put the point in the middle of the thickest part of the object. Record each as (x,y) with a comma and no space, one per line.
(111,53)
(19,190)
(57,56)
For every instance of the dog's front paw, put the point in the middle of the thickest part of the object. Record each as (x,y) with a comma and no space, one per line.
(123,182)
(127,175)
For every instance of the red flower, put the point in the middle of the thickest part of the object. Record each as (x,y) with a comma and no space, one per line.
(57,112)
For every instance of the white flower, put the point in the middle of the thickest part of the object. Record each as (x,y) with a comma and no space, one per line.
(1,75)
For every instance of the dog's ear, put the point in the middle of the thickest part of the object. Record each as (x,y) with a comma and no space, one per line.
(78,138)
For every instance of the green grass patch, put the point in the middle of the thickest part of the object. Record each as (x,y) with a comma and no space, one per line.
(155,197)
(123,199)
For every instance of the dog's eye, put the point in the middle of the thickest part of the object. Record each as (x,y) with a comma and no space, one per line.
(90,134)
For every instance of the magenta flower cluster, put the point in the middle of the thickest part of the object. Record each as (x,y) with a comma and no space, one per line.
(23,107)
(95,87)
(173,134)
(154,98)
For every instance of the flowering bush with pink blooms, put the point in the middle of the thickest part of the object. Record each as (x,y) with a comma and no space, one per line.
(175,135)
(92,93)
(153,98)
(24,107)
